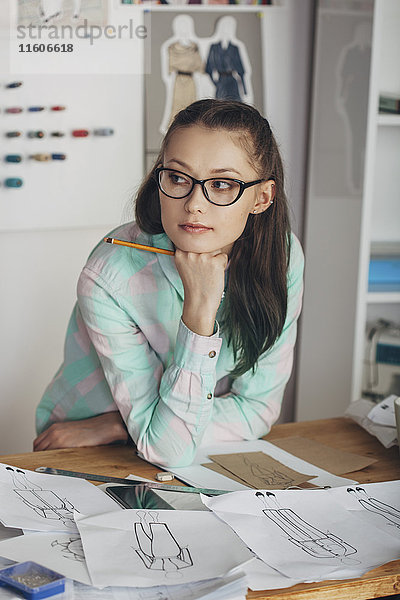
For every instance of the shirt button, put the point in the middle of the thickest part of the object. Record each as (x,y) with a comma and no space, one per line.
(212,354)
(209,396)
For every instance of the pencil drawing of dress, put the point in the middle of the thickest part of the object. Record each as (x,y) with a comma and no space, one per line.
(226,62)
(184,61)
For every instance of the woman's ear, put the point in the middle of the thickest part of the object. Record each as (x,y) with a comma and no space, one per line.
(266,196)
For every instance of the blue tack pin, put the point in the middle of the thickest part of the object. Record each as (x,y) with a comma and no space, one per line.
(104,131)
(13,158)
(13,182)
(14,84)
(35,108)
(58,156)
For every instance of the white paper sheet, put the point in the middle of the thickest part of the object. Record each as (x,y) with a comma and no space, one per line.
(31,500)
(376,503)
(261,576)
(199,476)
(58,551)
(147,548)
(383,413)
(304,534)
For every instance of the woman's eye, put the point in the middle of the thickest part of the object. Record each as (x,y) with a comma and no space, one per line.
(221,185)
(177,179)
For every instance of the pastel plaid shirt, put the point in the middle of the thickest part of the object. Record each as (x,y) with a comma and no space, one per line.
(127,349)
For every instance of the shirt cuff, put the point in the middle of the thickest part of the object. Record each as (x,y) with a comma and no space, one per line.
(195,352)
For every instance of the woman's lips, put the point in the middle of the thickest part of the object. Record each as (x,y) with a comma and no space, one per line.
(194,228)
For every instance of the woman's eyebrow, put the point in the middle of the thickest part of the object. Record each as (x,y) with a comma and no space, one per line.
(216,171)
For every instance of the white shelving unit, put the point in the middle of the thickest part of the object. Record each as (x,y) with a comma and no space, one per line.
(351,205)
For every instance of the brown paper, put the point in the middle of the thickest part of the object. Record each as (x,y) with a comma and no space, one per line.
(218,469)
(260,471)
(335,461)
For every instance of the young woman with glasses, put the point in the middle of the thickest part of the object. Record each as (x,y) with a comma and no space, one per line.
(197,347)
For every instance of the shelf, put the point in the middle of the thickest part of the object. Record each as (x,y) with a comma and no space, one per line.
(388,119)
(383,297)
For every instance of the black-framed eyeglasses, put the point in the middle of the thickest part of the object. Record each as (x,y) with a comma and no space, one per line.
(222,191)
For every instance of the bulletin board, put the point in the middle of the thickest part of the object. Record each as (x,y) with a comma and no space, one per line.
(94,186)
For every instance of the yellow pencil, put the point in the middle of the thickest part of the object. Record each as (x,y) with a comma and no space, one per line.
(138,246)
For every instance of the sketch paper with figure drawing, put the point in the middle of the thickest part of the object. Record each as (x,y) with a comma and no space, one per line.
(31,500)
(304,534)
(146,547)
(61,552)
(375,503)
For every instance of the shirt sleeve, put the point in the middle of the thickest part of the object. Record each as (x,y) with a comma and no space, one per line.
(253,404)
(166,411)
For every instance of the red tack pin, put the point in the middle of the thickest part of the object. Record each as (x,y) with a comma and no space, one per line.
(80,132)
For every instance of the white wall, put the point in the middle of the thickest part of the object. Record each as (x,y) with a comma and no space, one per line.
(40,258)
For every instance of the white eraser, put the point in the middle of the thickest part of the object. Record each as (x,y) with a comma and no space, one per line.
(164,476)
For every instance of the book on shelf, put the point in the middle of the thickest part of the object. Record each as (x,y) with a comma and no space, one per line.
(389,103)
(384,268)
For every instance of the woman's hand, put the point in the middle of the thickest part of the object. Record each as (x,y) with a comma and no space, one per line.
(203,278)
(96,431)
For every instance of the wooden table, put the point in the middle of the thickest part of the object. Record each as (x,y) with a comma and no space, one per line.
(340,433)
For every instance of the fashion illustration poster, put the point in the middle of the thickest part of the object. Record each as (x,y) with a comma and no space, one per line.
(200,55)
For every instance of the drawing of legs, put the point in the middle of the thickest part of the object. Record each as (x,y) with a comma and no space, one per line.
(45,503)
(158,548)
(300,533)
(268,476)
(390,513)
(71,548)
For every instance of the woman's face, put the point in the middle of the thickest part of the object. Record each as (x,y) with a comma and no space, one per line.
(204,153)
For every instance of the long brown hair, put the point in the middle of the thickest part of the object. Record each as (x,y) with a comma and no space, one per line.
(255,304)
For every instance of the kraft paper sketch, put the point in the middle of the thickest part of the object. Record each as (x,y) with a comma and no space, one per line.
(31,500)
(147,548)
(305,534)
(158,547)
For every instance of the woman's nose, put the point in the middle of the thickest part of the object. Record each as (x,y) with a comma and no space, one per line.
(196,201)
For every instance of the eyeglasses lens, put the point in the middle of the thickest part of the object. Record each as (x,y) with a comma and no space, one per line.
(179,185)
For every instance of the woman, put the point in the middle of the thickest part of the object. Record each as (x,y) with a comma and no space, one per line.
(175,351)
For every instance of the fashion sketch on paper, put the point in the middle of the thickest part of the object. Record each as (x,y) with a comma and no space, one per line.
(227,63)
(158,548)
(71,548)
(390,513)
(45,503)
(305,536)
(268,477)
(352,74)
(180,61)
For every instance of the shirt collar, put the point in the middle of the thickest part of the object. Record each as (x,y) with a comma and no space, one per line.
(167,262)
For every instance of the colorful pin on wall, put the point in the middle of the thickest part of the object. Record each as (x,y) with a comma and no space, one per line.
(57,134)
(80,133)
(11,134)
(57,108)
(35,108)
(58,156)
(104,131)
(14,84)
(43,157)
(35,134)
(12,110)
(13,158)
(13,182)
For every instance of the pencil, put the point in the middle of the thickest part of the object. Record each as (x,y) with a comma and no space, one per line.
(138,246)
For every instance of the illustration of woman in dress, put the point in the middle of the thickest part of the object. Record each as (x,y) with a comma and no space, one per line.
(158,548)
(228,65)
(180,60)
